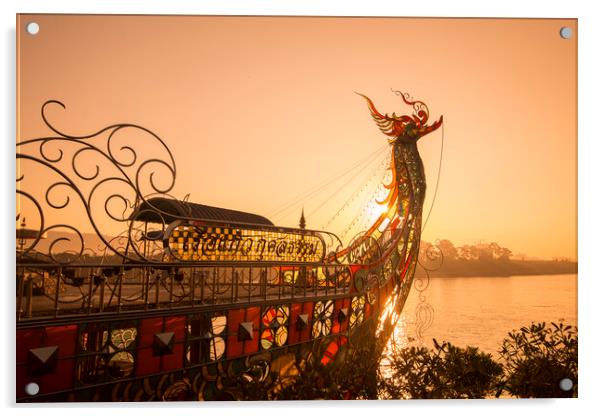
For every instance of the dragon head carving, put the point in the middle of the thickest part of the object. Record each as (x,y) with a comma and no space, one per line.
(404,128)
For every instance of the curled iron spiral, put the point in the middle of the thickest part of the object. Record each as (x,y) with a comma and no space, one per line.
(430,260)
(105,179)
(116,178)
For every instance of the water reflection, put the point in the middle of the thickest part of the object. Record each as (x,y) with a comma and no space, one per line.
(480,311)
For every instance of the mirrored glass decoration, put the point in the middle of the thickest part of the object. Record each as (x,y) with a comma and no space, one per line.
(275,327)
(322,319)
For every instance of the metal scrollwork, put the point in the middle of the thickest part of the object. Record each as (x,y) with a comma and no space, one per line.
(102,182)
(372,288)
(98,179)
(430,260)
(363,249)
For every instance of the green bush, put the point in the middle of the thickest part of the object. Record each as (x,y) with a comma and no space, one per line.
(537,358)
(533,361)
(447,372)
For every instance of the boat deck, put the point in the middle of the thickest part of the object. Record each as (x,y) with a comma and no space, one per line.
(48,294)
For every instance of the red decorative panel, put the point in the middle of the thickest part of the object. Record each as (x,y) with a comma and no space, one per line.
(331,351)
(65,337)
(175,324)
(294,334)
(253,315)
(394,224)
(353,269)
(369,310)
(146,362)
(402,277)
(235,347)
(339,304)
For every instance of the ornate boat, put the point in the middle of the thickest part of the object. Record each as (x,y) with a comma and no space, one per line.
(188,301)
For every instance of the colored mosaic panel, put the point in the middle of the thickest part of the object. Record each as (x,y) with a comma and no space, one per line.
(274,322)
(108,352)
(387,272)
(322,322)
(357,311)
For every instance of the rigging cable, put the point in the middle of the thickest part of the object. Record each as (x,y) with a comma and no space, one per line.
(363,186)
(312,192)
(438,178)
(304,194)
(358,218)
(424,311)
(339,190)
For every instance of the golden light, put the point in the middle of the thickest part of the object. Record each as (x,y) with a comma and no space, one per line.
(374,211)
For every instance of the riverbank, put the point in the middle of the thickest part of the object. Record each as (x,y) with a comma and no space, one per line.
(500,268)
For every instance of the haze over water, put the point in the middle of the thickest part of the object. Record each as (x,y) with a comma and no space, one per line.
(480,311)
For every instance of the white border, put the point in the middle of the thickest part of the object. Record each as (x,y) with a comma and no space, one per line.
(589,153)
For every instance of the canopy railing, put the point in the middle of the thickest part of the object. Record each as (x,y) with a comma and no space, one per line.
(145,250)
(53,291)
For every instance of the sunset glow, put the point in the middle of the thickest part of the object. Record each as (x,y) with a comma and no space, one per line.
(265,108)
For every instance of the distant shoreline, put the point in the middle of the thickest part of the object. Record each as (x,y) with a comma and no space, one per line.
(500,268)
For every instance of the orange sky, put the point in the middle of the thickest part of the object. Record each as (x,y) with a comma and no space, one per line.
(257,110)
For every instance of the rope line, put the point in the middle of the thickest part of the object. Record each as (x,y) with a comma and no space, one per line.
(312,192)
(364,186)
(438,178)
(340,189)
(359,214)
(360,217)
(424,311)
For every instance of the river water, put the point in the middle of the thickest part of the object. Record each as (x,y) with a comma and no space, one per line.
(480,311)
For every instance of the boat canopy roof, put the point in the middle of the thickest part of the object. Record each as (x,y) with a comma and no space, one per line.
(172,209)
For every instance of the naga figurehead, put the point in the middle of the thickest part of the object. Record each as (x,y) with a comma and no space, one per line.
(404,128)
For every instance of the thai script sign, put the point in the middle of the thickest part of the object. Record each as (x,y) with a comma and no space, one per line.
(195,241)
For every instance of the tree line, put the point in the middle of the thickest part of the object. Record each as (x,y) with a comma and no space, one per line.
(480,251)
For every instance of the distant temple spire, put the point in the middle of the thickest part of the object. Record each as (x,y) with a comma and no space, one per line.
(302,220)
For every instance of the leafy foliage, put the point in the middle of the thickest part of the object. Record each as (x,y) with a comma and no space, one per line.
(537,358)
(353,375)
(447,372)
(534,360)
